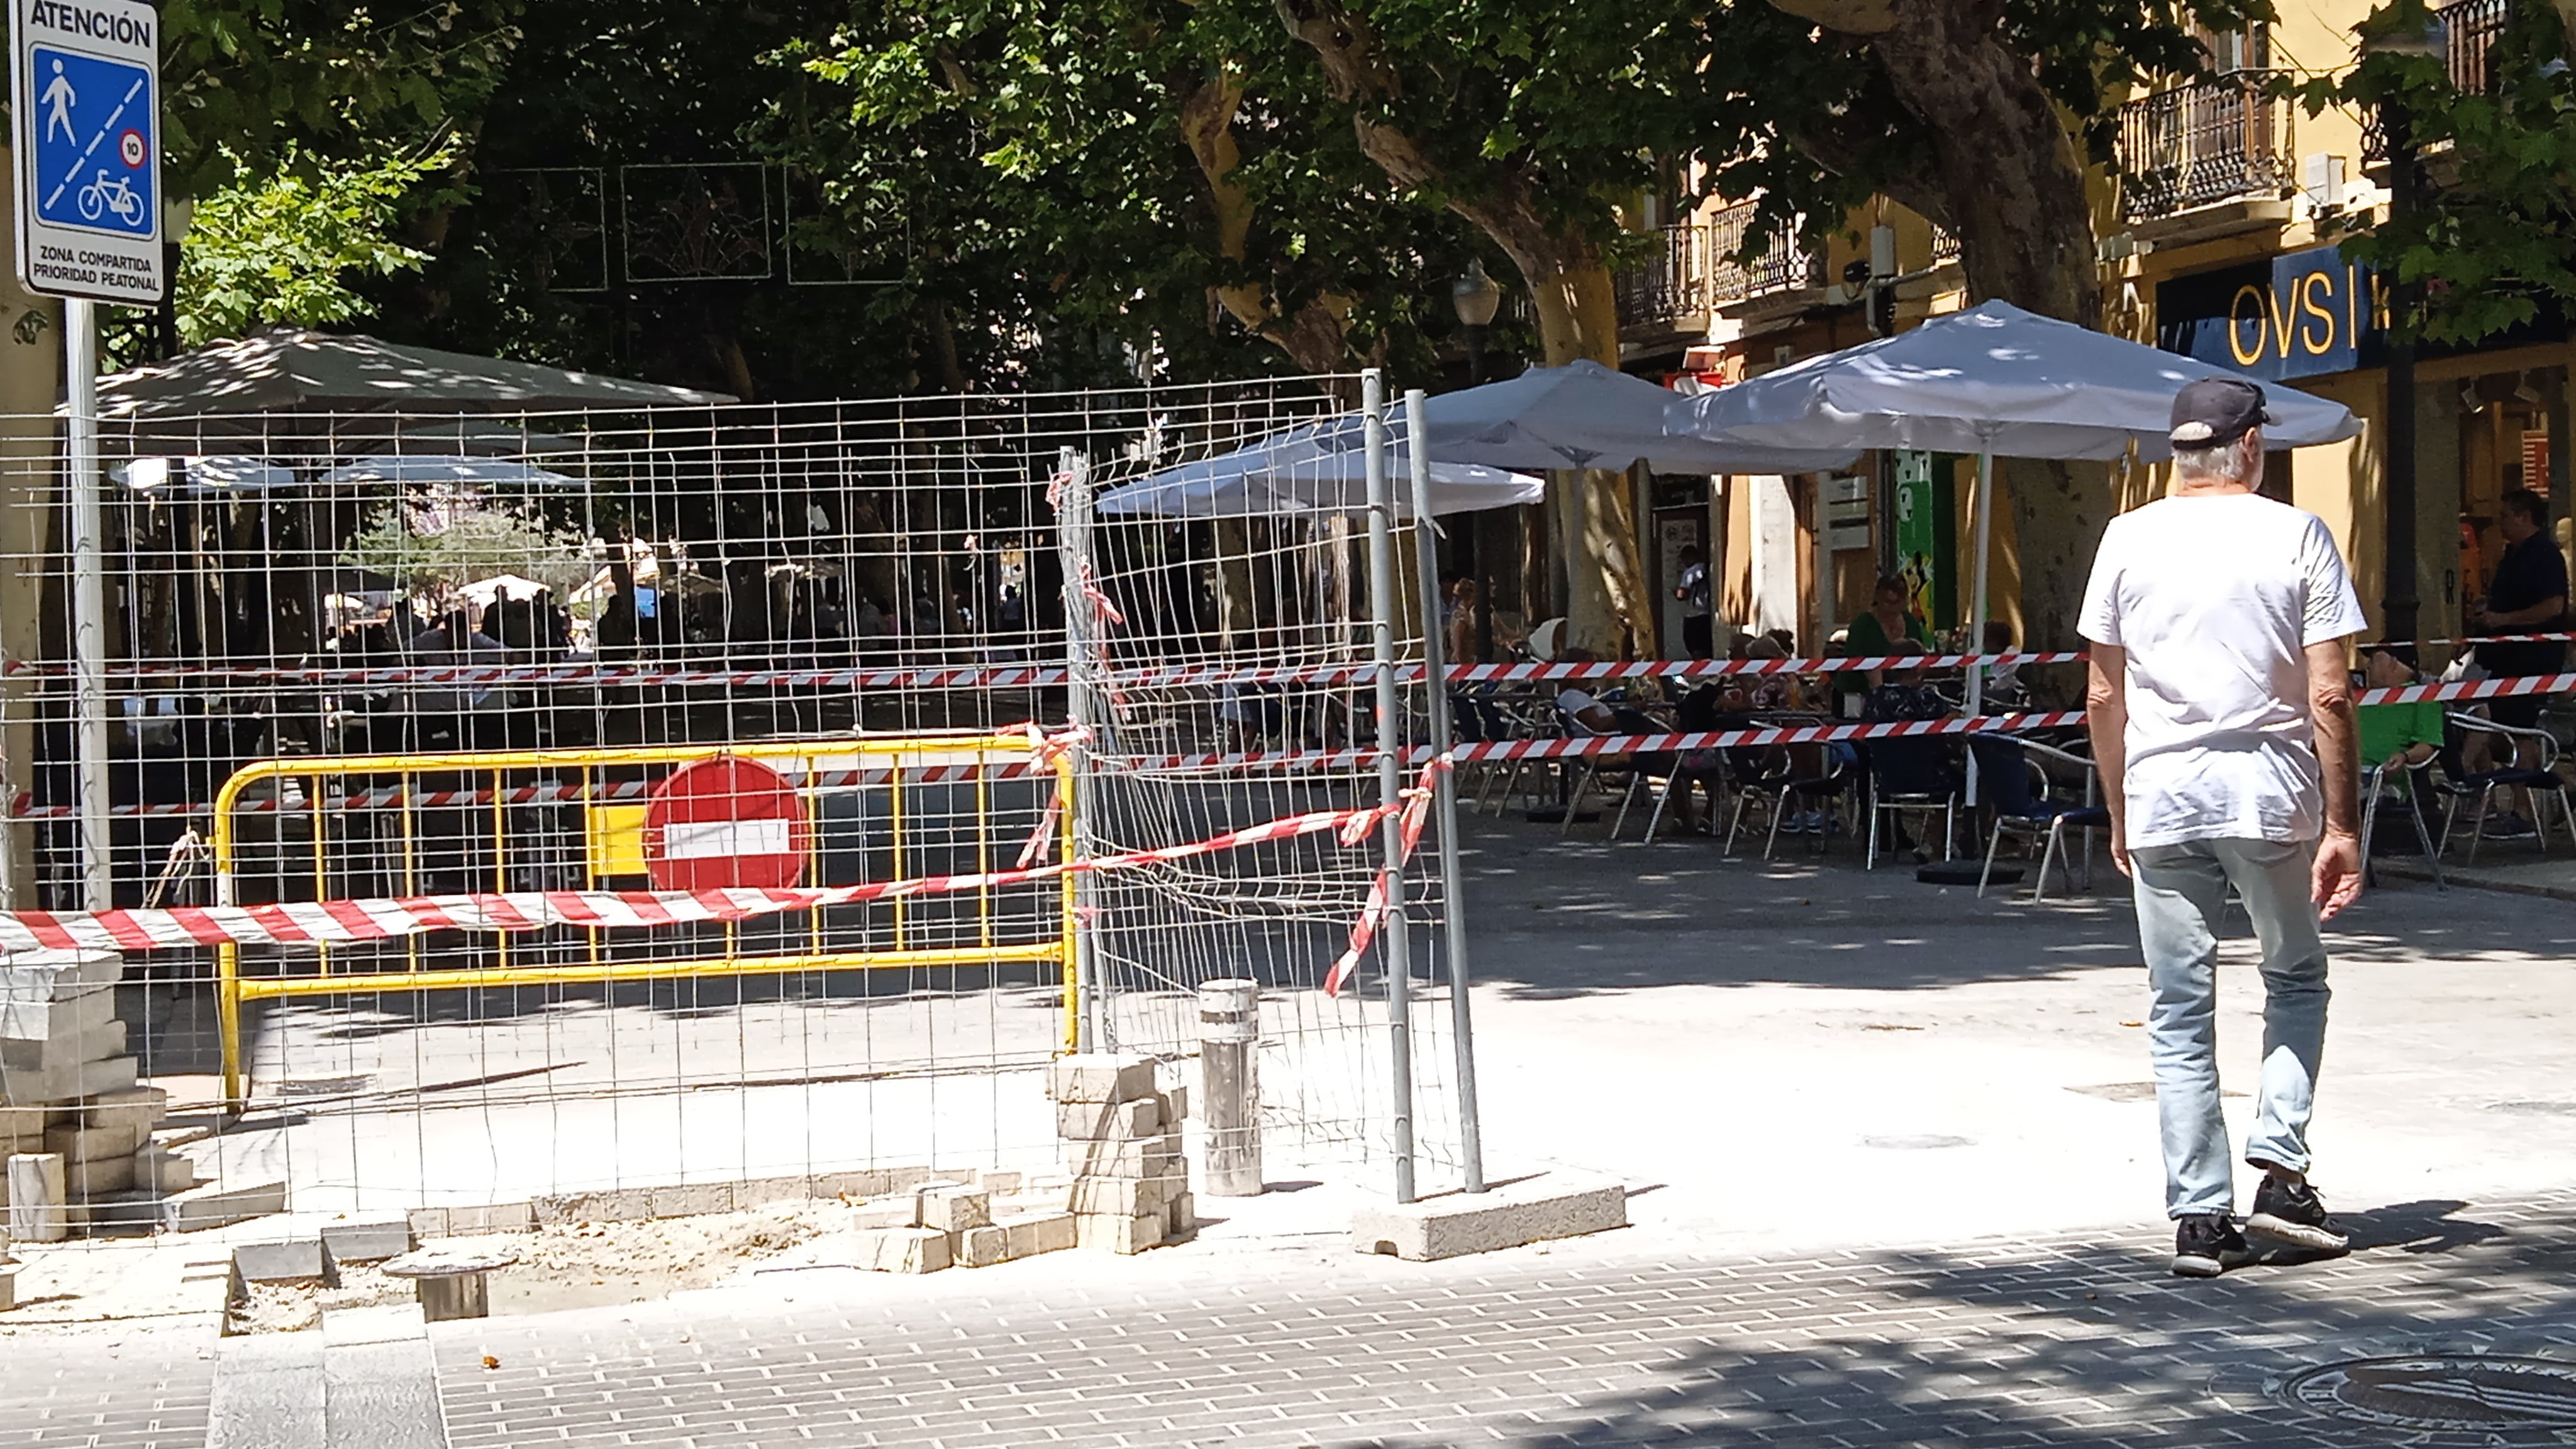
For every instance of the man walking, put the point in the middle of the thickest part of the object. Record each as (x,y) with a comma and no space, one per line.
(2222,719)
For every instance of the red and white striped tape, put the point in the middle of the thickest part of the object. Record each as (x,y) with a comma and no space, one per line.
(1380,902)
(302,923)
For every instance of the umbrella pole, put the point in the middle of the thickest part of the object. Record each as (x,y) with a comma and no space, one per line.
(1977,599)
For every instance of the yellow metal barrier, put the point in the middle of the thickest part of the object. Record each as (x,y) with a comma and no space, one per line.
(610,850)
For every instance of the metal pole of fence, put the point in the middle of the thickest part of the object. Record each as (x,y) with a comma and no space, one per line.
(1397,951)
(89,599)
(1082,707)
(1471,1132)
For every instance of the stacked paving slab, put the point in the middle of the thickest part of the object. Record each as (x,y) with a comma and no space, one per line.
(74,1126)
(1122,1143)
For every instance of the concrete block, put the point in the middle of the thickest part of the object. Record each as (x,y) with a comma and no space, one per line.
(160,1171)
(613,1205)
(81,1144)
(1183,1218)
(24,1122)
(688,1200)
(86,1079)
(498,1217)
(80,1010)
(36,1197)
(8,1286)
(1034,1233)
(1108,1121)
(1175,1105)
(368,1242)
(1100,1077)
(1532,1210)
(98,1177)
(756,1191)
(903,1250)
(954,1209)
(375,1323)
(44,975)
(294,1260)
(1118,1233)
(1138,1157)
(144,1108)
(63,1051)
(1002,1184)
(980,1247)
(1125,1196)
(216,1206)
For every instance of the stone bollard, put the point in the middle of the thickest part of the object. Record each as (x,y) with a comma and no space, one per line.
(1229,1091)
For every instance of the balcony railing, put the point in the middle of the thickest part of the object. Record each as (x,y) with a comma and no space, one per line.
(1692,272)
(2470,29)
(2222,139)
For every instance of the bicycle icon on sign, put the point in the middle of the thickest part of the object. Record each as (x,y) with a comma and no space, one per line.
(107,194)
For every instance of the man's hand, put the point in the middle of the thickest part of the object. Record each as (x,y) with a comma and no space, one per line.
(2120,850)
(2335,879)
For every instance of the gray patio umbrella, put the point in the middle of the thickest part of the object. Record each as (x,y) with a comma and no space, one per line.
(302,383)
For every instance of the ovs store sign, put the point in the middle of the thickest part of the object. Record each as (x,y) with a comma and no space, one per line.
(2295,316)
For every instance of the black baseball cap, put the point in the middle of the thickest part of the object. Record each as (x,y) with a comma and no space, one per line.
(2211,412)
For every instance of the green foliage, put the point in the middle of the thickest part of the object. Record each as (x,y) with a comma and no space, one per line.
(437,549)
(247,82)
(281,247)
(1028,166)
(2492,237)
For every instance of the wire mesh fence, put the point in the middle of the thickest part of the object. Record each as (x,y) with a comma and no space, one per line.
(354,657)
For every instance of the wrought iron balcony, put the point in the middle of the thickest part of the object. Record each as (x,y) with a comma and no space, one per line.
(2211,141)
(1692,271)
(2470,29)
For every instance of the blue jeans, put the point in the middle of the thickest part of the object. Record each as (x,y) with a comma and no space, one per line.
(2181,890)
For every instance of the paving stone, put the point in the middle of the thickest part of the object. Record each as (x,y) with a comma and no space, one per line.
(65,1084)
(217,1205)
(1100,1077)
(1125,1196)
(291,1260)
(1109,1121)
(62,1051)
(903,1250)
(82,1143)
(1119,1232)
(74,1010)
(367,1242)
(953,1208)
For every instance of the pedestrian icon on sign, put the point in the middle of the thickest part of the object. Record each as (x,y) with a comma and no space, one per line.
(59,98)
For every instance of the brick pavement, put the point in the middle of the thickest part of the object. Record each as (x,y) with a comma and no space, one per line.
(137,1387)
(2068,1339)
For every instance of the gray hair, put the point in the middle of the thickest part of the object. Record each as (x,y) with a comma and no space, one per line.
(2227,461)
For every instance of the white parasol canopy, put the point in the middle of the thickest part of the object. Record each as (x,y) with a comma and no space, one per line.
(201,475)
(1994,379)
(1319,468)
(1585,415)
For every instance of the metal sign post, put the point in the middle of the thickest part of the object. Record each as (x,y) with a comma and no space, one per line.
(85,101)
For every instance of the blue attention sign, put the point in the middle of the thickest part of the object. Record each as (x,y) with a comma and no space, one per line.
(93,120)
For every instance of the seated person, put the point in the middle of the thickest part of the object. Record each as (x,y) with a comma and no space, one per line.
(1578,703)
(2003,681)
(2396,736)
(1875,633)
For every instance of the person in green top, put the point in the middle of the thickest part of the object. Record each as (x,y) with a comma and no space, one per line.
(2396,735)
(1870,635)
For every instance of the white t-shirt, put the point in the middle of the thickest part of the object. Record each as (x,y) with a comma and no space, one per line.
(2216,598)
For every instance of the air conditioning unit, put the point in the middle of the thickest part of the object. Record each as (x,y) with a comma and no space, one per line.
(2321,182)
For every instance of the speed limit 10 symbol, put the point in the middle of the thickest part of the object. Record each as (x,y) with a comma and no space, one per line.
(129,148)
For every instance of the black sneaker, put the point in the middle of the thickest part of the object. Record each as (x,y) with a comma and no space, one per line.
(2207,1244)
(2295,1216)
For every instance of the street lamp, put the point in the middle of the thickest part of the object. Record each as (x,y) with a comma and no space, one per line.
(1475,297)
(2409,32)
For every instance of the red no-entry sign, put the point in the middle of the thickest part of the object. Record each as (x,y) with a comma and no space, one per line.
(726,822)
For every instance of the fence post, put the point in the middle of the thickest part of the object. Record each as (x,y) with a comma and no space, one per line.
(1453,906)
(89,601)
(1230,1086)
(1082,709)
(1397,951)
